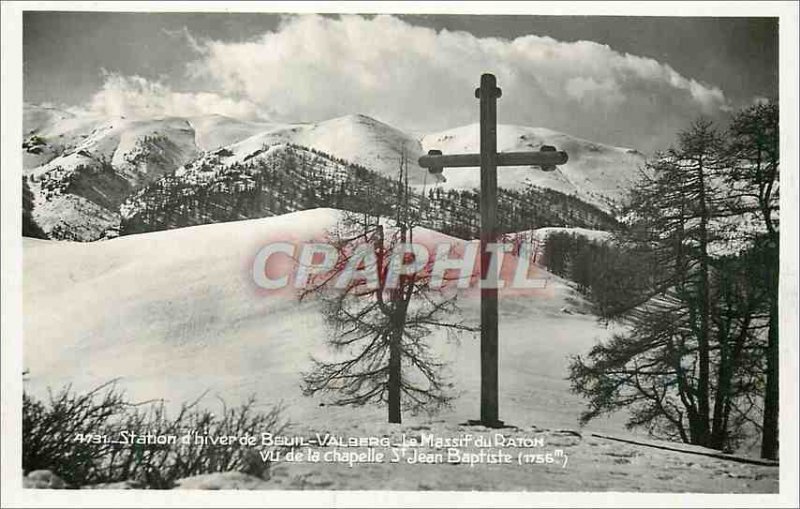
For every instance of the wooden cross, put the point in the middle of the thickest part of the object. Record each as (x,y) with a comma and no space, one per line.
(488,159)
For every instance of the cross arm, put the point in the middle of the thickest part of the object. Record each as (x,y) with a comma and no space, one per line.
(547,158)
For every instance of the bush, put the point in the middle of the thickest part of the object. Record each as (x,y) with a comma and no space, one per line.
(77,436)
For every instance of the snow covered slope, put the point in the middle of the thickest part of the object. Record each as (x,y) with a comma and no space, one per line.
(540,235)
(215,131)
(77,194)
(543,233)
(143,149)
(361,140)
(355,138)
(537,238)
(595,172)
(48,132)
(175,313)
(61,131)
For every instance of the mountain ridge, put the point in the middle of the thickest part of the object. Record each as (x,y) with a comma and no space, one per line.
(112,159)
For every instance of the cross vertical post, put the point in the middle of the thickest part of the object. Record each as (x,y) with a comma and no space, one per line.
(488,94)
(547,158)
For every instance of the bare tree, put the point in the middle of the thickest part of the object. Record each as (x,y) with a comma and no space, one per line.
(379,327)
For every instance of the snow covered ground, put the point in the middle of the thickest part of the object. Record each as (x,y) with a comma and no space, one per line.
(175,314)
(539,236)
(183,307)
(586,463)
(543,233)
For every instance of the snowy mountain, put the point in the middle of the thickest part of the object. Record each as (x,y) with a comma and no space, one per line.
(355,138)
(269,180)
(48,132)
(77,194)
(215,131)
(80,169)
(596,173)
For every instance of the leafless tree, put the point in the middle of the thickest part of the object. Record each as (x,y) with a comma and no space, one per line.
(379,330)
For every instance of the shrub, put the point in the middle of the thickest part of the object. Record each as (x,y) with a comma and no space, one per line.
(54,437)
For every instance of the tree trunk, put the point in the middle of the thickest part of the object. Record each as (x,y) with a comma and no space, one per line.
(718,427)
(400,312)
(394,378)
(769,439)
(729,363)
(696,432)
(726,367)
(703,311)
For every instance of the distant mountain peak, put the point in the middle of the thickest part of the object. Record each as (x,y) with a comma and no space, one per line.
(141,150)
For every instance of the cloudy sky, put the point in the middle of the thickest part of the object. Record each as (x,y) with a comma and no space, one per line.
(624,81)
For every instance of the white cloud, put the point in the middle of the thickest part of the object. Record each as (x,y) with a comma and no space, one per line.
(137,97)
(315,68)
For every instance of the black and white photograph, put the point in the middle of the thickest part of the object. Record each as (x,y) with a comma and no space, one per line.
(501,254)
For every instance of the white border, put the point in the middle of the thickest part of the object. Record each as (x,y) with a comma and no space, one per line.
(11,262)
